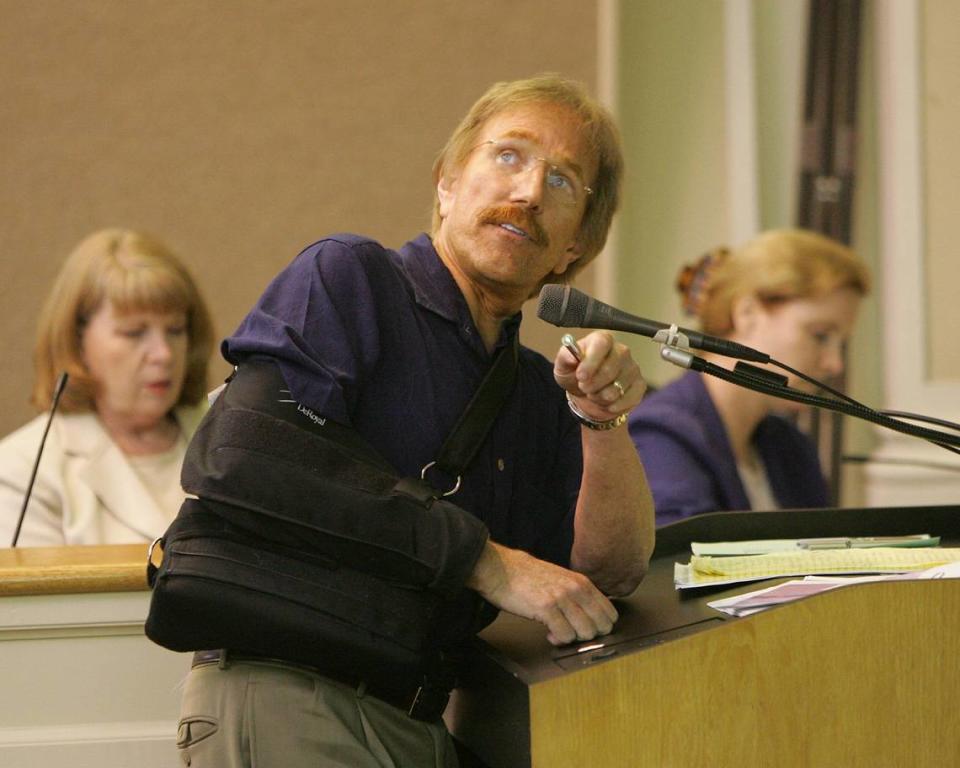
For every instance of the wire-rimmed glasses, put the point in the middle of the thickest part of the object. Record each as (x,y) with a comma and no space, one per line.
(513,156)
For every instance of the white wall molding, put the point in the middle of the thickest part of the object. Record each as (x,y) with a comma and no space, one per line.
(907,384)
(92,690)
(741,121)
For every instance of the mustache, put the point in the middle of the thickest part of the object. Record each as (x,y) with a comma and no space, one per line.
(518,217)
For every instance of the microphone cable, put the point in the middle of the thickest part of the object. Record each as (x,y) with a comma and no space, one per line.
(57,392)
(896,415)
(859,458)
(565,306)
(847,406)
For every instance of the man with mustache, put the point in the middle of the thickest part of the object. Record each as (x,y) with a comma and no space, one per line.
(556,512)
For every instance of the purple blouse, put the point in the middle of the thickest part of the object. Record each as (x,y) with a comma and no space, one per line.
(690,464)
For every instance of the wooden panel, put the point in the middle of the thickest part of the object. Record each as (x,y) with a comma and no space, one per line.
(857,677)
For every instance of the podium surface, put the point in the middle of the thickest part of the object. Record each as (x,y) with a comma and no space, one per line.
(864,675)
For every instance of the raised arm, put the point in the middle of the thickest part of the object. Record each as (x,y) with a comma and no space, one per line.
(614,520)
(614,524)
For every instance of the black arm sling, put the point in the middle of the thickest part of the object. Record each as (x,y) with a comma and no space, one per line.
(303,544)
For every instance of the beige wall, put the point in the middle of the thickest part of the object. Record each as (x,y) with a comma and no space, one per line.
(671,104)
(238,130)
(940,103)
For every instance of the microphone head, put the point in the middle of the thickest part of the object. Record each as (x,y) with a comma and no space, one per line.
(562,305)
(60,385)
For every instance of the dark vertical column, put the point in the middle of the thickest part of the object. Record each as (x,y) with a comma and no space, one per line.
(827,162)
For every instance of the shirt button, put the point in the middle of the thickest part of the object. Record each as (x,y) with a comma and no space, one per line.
(500,464)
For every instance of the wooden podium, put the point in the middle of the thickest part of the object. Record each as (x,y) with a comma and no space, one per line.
(865,675)
(81,684)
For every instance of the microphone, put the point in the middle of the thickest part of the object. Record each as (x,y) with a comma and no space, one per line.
(567,307)
(57,391)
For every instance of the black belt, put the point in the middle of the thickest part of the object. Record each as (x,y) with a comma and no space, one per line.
(426,703)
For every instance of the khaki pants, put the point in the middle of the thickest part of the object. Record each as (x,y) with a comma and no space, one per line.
(266,715)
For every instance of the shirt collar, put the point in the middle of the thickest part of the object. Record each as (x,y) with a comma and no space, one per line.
(435,289)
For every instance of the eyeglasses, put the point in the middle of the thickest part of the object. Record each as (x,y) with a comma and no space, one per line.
(513,156)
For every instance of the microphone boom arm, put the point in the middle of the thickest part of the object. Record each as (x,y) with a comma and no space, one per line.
(761,384)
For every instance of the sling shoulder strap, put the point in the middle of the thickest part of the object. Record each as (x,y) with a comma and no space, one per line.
(467,435)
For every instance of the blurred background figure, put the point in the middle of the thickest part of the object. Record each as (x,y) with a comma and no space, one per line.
(126,322)
(708,445)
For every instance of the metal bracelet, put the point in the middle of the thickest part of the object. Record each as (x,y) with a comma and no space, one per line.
(616,421)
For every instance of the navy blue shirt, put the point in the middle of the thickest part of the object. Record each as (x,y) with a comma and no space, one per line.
(383,341)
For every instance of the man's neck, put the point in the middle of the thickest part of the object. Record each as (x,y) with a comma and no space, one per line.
(488,310)
(490,306)
(489,327)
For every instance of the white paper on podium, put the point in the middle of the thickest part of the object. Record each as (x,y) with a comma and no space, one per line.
(761,599)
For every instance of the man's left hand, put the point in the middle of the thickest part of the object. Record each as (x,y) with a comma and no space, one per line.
(606,381)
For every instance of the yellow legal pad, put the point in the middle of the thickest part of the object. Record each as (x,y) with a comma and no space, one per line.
(704,569)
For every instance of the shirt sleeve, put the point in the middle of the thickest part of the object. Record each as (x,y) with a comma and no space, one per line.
(317,320)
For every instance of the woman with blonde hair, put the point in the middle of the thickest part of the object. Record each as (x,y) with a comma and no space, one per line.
(126,322)
(708,445)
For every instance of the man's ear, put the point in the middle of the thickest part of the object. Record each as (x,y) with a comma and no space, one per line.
(446,193)
(571,255)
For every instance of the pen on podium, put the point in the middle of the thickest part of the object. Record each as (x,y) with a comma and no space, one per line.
(842,542)
(865,542)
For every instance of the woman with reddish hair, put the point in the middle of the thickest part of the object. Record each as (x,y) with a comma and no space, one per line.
(708,445)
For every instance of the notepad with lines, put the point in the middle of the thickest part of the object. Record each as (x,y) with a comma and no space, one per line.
(705,570)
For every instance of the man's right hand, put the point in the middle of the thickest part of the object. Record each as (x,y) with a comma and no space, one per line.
(564,601)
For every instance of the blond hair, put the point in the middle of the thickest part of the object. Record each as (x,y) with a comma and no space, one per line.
(596,126)
(135,273)
(776,266)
